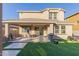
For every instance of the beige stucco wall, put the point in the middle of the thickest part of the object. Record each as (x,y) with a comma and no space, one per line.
(42,15)
(30,15)
(69,30)
(38,15)
(60,15)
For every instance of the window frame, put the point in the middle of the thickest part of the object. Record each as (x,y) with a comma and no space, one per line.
(54,15)
(63,29)
(50,15)
(57,29)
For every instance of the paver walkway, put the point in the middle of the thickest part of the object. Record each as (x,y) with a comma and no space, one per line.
(11,50)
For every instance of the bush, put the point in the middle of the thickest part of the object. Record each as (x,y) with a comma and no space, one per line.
(70,38)
(55,41)
(10,36)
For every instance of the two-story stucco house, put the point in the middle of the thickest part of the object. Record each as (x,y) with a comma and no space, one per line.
(44,22)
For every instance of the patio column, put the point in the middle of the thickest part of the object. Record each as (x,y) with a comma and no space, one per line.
(59,29)
(6,29)
(32,30)
(20,30)
(45,31)
(50,29)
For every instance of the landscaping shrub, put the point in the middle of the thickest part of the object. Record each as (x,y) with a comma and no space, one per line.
(70,38)
(10,36)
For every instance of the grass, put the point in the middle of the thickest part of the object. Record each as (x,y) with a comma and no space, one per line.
(50,49)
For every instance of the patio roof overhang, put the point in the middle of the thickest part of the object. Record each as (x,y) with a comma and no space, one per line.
(30,21)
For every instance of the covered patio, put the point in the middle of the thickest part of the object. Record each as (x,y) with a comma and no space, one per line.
(34,28)
(29,28)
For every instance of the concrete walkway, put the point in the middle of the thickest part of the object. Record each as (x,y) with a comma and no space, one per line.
(22,40)
(15,45)
(11,50)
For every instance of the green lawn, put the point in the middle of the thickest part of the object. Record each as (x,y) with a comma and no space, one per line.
(50,49)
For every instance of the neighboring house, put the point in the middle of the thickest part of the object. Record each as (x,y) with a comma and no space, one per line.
(44,22)
(74,19)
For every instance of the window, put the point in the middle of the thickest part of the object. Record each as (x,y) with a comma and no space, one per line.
(50,15)
(26,29)
(56,29)
(53,15)
(62,29)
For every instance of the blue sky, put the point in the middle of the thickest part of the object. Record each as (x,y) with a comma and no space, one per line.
(10,9)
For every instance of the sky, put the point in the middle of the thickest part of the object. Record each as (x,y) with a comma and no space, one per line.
(10,9)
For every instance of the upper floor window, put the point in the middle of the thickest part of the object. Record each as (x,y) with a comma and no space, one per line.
(53,15)
(50,15)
